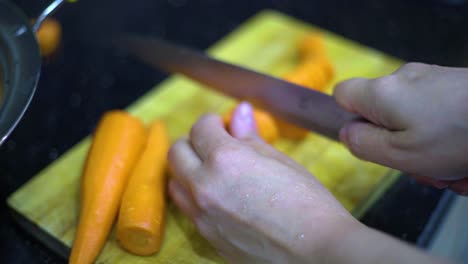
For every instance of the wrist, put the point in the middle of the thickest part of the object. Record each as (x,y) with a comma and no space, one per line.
(340,241)
(363,245)
(327,236)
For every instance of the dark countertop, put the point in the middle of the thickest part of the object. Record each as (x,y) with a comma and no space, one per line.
(83,80)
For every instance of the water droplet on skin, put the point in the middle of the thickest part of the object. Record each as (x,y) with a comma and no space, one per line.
(244,208)
(273,199)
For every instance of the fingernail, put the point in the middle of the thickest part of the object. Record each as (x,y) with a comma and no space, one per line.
(242,122)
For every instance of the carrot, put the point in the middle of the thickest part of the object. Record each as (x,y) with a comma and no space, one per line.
(48,36)
(266,125)
(310,45)
(314,71)
(327,67)
(314,74)
(118,141)
(290,131)
(140,226)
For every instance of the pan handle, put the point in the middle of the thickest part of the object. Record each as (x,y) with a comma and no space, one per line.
(49,10)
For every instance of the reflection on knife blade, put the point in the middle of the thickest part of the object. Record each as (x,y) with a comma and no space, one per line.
(299,105)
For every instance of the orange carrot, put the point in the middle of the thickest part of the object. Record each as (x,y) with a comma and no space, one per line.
(311,74)
(290,131)
(48,36)
(118,141)
(266,126)
(311,45)
(313,71)
(140,226)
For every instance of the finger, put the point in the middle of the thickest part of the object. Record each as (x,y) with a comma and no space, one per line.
(208,134)
(460,186)
(183,161)
(243,123)
(439,184)
(353,95)
(374,99)
(183,199)
(243,128)
(373,143)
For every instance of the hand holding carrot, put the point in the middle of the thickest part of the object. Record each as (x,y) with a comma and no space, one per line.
(256,205)
(251,202)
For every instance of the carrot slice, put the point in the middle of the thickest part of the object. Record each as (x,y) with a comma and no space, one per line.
(140,227)
(118,141)
(311,45)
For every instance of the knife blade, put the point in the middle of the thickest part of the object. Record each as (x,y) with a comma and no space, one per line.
(302,106)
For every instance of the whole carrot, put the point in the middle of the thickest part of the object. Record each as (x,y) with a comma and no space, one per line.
(117,143)
(140,225)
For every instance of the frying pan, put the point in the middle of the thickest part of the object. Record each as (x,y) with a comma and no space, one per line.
(20,62)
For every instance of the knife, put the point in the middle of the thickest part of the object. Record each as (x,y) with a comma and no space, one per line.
(301,106)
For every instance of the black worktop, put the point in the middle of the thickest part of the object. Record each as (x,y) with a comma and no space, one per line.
(84,79)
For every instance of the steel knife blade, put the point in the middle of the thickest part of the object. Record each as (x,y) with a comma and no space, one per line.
(301,106)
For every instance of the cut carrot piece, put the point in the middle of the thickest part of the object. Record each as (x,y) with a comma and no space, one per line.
(140,227)
(117,143)
(327,67)
(48,36)
(290,131)
(310,74)
(266,125)
(311,45)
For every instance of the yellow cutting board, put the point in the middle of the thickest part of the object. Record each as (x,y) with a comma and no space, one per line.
(266,43)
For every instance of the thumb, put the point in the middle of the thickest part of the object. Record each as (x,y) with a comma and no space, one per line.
(243,123)
(354,95)
(358,95)
(372,143)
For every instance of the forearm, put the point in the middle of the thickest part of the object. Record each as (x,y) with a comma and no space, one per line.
(365,245)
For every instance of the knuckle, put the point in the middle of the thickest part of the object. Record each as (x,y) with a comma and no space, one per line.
(200,126)
(413,70)
(174,148)
(223,155)
(353,143)
(413,66)
(204,228)
(205,198)
(384,90)
(197,127)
